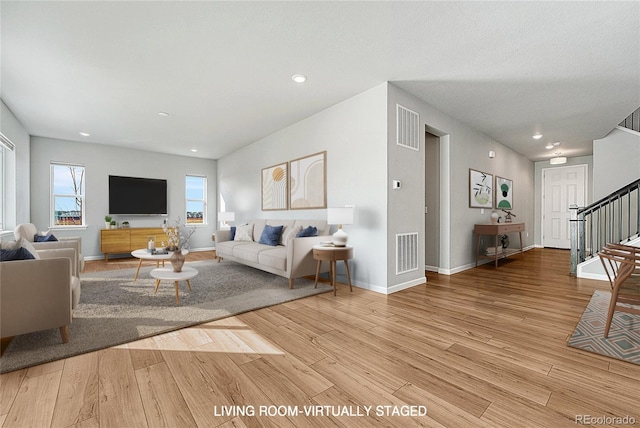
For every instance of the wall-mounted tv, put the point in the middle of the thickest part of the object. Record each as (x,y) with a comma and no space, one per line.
(134,195)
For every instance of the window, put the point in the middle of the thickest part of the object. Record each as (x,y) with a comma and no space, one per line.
(6,149)
(67,195)
(196,199)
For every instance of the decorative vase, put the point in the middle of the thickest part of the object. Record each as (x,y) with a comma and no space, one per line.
(177,260)
(494,217)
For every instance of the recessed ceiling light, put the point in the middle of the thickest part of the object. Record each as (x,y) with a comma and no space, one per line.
(194,150)
(549,146)
(299,78)
(84,134)
(537,136)
(163,114)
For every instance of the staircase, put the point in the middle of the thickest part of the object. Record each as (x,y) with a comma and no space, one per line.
(614,218)
(632,121)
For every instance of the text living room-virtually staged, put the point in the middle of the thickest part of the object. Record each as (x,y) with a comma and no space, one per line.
(302,214)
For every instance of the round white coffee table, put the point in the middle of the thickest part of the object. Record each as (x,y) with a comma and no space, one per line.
(168,274)
(143,254)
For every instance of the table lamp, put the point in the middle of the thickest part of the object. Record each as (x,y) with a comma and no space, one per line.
(225,216)
(340,216)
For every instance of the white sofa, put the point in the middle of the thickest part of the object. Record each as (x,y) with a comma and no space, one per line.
(291,258)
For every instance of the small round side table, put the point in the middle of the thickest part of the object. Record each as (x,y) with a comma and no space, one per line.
(167,273)
(332,254)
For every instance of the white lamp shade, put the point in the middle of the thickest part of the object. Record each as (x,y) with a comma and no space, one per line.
(226,216)
(341,215)
(558,160)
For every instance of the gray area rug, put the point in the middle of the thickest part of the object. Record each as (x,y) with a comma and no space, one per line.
(114,309)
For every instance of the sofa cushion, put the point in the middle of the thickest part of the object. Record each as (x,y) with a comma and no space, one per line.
(20,253)
(308,231)
(258,226)
(225,248)
(323,227)
(20,243)
(289,234)
(244,233)
(249,252)
(232,233)
(271,235)
(275,258)
(47,237)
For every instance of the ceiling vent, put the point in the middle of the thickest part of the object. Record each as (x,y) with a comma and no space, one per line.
(408,128)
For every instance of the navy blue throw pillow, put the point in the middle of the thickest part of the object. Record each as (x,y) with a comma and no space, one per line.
(17,254)
(232,233)
(44,238)
(271,235)
(309,231)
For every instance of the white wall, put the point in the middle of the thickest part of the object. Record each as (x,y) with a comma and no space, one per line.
(467,148)
(362,160)
(616,161)
(18,169)
(100,161)
(354,135)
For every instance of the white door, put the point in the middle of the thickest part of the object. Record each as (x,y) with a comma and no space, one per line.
(562,187)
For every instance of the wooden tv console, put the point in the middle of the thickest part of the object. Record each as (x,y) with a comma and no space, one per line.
(125,240)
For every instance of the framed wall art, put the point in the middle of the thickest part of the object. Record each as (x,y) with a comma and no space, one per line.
(480,189)
(308,182)
(274,188)
(504,193)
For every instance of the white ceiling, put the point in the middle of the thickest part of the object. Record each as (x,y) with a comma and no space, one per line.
(222,70)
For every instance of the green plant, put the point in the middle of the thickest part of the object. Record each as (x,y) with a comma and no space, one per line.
(113,222)
(107,219)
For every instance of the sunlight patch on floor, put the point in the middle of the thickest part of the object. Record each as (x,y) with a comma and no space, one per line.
(228,335)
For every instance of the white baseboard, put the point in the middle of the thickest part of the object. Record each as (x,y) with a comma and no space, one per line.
(472,265)
(392,289)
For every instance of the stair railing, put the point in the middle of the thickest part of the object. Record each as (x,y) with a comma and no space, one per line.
(612,219)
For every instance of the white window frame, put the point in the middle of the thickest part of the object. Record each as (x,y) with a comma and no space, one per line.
(6,146)
(52,210)
(203,201)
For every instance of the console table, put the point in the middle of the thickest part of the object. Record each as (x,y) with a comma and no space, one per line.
(126,240)
(496,230)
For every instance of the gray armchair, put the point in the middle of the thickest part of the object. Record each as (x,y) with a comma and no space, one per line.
(28,231)
(38,294)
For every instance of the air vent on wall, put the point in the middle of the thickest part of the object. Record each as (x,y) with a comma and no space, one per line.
(406,252)
(407,128)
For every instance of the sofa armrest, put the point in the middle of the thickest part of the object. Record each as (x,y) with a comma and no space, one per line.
(35,295)
(300,255)
(223,235)
(56,253)
(62,243)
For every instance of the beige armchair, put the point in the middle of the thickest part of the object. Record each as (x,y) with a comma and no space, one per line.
(29,230)
(38,294)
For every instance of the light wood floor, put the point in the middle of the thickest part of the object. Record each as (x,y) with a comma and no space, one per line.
(484,347)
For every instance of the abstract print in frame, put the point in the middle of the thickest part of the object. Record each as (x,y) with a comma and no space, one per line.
(504,193)
(480,189)
(308,182)
(274,188)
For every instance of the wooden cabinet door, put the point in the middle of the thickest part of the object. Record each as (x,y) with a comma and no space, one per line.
(114,241)
(140,237)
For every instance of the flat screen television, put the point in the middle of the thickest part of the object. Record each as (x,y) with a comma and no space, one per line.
(134,195)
